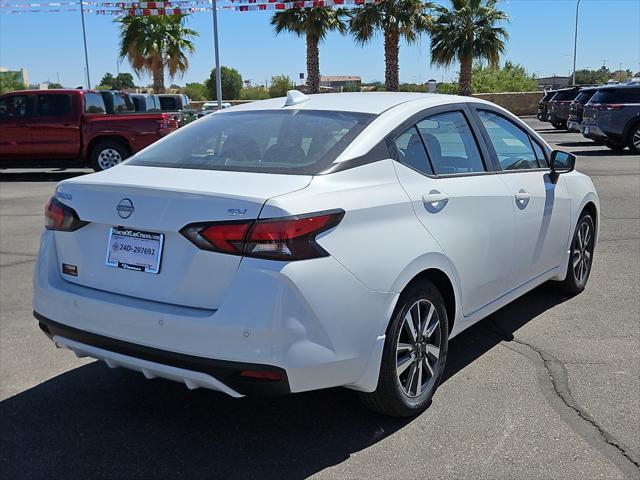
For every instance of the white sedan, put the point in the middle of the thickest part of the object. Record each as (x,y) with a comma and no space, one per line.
(310,242)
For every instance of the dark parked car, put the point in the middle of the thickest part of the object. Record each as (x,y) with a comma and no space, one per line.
(558,107)
(577,106)
(613,117)
(173,102)
(543,104)
(117,102)
(145,102)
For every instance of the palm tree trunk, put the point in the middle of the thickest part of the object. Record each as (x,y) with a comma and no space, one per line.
(391,51)
(158,76)
(466,65)
(313,64)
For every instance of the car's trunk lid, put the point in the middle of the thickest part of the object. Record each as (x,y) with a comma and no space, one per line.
(162,201)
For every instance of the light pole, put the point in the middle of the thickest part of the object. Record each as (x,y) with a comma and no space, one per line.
(214,8)
(86,51)
(575,44)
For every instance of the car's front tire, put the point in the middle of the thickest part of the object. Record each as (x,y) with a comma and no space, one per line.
(414,355)
(581,257)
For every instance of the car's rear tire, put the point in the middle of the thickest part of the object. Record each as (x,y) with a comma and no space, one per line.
(581,256)
(419,354)
(614,145)
(107,154)
(634,139)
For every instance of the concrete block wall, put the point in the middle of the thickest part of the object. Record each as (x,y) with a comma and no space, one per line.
(519,103)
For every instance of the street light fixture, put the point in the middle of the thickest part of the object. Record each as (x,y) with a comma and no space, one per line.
(575,44)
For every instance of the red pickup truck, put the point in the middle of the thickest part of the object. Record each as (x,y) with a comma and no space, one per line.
(70,128)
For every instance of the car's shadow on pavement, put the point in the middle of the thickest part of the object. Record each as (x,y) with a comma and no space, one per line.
(40,176)
(92,422)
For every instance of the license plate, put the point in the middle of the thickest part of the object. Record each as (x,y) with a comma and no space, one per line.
(134,250)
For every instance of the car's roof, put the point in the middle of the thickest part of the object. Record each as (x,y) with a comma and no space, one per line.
(363,102)
(621,86)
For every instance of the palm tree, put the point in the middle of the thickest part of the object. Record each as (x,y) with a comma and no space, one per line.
(470,30)
(153,43)
(314,24)
(395,18)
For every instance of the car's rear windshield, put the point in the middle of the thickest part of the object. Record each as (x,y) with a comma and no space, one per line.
(270,141)
(584,96)
(617,95)
(565,95)
(548,96)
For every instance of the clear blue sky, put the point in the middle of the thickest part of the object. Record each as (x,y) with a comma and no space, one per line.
(541,38)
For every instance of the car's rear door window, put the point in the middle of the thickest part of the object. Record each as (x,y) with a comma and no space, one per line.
(512,145)
(53,105)
(450,144)
(15,106)
(270,141)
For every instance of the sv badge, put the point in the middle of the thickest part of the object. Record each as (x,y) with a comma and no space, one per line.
(236,212)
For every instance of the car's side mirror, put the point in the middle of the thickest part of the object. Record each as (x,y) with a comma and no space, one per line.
(562,162)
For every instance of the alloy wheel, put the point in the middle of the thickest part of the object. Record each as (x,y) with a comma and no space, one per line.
(582,252)
(418,348)
(636,139)
(108,158)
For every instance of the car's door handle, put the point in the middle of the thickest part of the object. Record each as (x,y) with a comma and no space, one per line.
(435,201)
(434,197)
(522,199)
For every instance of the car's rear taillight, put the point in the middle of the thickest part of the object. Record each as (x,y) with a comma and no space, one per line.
(168,122)
(608,106)
(288,238)
(59,217)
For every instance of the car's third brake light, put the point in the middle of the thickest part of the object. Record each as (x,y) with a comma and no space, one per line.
(288,238)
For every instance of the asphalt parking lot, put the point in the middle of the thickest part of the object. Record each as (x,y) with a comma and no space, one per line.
(548,387)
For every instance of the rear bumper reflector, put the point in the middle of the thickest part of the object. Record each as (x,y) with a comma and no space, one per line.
(193,371)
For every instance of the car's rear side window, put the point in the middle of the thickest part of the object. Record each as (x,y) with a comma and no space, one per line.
(53,105)
(617,95)
(268,141)
(450,144)
(93,103)
(411,151)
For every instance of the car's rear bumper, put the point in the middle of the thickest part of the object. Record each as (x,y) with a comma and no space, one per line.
(573,126)
(592,132)
(320,333)
(193,371)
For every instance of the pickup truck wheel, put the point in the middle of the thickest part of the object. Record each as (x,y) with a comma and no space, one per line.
(634,139)
(107,154)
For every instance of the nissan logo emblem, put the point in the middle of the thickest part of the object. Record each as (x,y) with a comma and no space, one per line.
(125,208)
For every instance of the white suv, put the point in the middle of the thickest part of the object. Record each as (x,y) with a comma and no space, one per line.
(311,242)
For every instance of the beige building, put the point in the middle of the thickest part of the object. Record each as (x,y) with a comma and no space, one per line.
(21,74)
(338,82)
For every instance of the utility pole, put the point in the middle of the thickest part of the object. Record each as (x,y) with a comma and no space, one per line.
(214,9)
(86,51)
(575,44)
